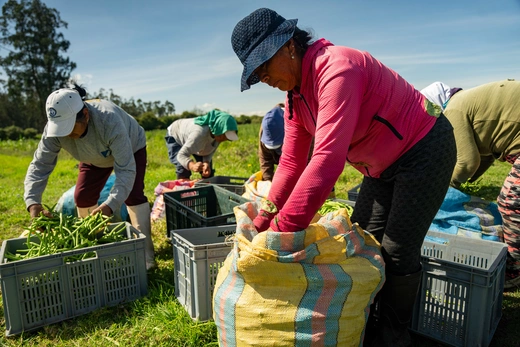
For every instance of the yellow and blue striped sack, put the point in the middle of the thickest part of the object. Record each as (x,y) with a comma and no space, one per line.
(307,288)
(255,189)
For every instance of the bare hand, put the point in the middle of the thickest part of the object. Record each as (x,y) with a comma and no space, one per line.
(206,169)
(196,167)
(104,209)
(36,209)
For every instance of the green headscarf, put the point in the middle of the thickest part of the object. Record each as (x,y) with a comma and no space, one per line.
(219,122)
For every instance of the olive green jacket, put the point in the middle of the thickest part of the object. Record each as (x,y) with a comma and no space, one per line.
(486,122)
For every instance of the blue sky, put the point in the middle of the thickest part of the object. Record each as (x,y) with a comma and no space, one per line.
(181,50)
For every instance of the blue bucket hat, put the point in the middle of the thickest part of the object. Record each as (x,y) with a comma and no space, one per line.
(273,128)
(256,38)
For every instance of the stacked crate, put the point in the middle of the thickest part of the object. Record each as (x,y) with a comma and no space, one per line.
(198,221)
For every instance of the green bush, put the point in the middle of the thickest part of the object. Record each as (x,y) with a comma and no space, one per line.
(167,120)
(30,133)
(149,121)
(243,119)
(16,133)
(13,132)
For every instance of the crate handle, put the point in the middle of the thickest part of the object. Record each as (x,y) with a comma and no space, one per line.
(232,198)
(432,261)
(189,194)
(80,254)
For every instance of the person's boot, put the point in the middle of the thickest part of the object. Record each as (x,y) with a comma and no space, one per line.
(85,211)
(140,219)
(372,325)
(396,309)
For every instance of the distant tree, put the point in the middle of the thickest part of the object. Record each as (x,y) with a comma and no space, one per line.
(137,108)
(170,108)
(116,99)
(34,65)
(99,95)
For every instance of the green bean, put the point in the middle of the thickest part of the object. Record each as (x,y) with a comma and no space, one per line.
(60,233)
(331,205)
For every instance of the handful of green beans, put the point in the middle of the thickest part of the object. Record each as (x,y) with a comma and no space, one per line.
(331,205)
(60,233)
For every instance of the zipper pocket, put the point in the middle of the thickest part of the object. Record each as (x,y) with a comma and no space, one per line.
(389,125)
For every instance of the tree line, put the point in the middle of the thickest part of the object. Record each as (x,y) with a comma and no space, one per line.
(32,57)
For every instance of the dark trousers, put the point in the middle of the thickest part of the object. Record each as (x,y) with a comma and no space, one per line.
(92,180)
(181,171)
(398,207)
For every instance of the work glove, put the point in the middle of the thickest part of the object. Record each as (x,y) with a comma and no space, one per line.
(267,212)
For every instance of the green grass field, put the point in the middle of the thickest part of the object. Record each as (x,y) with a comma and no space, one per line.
(158,319)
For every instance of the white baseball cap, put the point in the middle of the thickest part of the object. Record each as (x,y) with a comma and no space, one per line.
(61,108)
(231,135)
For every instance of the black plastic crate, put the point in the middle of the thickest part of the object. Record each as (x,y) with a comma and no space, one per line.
(233,184)
(203,206)
(354,192)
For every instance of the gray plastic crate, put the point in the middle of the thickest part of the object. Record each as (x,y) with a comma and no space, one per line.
(198,254)
(460,301)
(40,291)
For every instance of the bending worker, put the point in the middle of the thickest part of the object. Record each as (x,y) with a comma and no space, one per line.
(102,137)
(439,93)
(362,112)
(486,122)
(198,137)
(271,141)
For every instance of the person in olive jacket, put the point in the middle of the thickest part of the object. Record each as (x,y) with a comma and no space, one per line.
(486,123)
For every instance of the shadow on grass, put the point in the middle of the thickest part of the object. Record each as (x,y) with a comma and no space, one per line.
(164,250)
(507,330)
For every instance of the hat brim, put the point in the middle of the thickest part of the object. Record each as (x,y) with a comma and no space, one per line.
(60,129)
(265,51)
(231,135)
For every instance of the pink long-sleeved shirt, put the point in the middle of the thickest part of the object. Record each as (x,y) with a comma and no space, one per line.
(359,111)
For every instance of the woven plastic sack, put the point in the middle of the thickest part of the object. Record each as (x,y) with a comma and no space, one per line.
(159,205)
(308,288)
(255,188)
(67,206)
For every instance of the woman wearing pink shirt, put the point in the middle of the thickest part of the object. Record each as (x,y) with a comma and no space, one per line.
(364,113)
